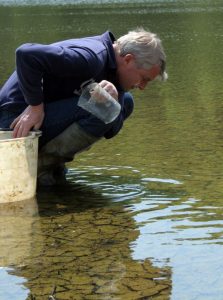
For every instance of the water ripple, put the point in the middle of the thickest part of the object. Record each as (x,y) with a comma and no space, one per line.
(164,180)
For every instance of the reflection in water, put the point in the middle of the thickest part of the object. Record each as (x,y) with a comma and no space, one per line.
(12,286)
(16,222)
(187,236)
(94,237)
(80,244)
(159,220)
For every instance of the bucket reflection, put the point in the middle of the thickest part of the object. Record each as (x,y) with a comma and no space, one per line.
(16,222)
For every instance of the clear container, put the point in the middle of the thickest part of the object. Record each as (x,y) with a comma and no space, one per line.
(99,102)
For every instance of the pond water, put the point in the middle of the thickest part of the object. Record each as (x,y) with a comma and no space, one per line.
(142,215)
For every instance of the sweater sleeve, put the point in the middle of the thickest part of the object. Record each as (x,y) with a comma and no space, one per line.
(35,60)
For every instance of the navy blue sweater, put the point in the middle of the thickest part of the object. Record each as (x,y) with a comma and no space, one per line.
(46,73)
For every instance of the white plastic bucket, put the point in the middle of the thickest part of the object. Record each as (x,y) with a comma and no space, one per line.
(18,166)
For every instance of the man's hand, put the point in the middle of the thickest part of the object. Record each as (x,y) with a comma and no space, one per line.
(31,118)
(110,88)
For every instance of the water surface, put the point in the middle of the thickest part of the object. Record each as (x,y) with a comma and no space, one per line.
(141,217)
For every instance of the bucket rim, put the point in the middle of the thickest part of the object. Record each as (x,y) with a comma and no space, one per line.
(32,134)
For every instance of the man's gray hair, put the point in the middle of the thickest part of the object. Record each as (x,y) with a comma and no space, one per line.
(146,47)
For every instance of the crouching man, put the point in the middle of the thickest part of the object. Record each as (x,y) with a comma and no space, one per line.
(43,91)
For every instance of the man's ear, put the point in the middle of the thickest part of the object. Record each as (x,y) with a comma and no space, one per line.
(129,58)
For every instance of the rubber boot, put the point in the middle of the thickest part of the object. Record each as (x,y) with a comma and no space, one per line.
(53,156)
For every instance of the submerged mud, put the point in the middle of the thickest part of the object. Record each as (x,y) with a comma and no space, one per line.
(87,255)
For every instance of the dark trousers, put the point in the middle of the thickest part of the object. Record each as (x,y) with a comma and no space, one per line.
(58,116)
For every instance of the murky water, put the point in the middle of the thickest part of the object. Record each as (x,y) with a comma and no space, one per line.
(141,217)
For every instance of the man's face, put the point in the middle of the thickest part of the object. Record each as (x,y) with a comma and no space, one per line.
(130,76)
